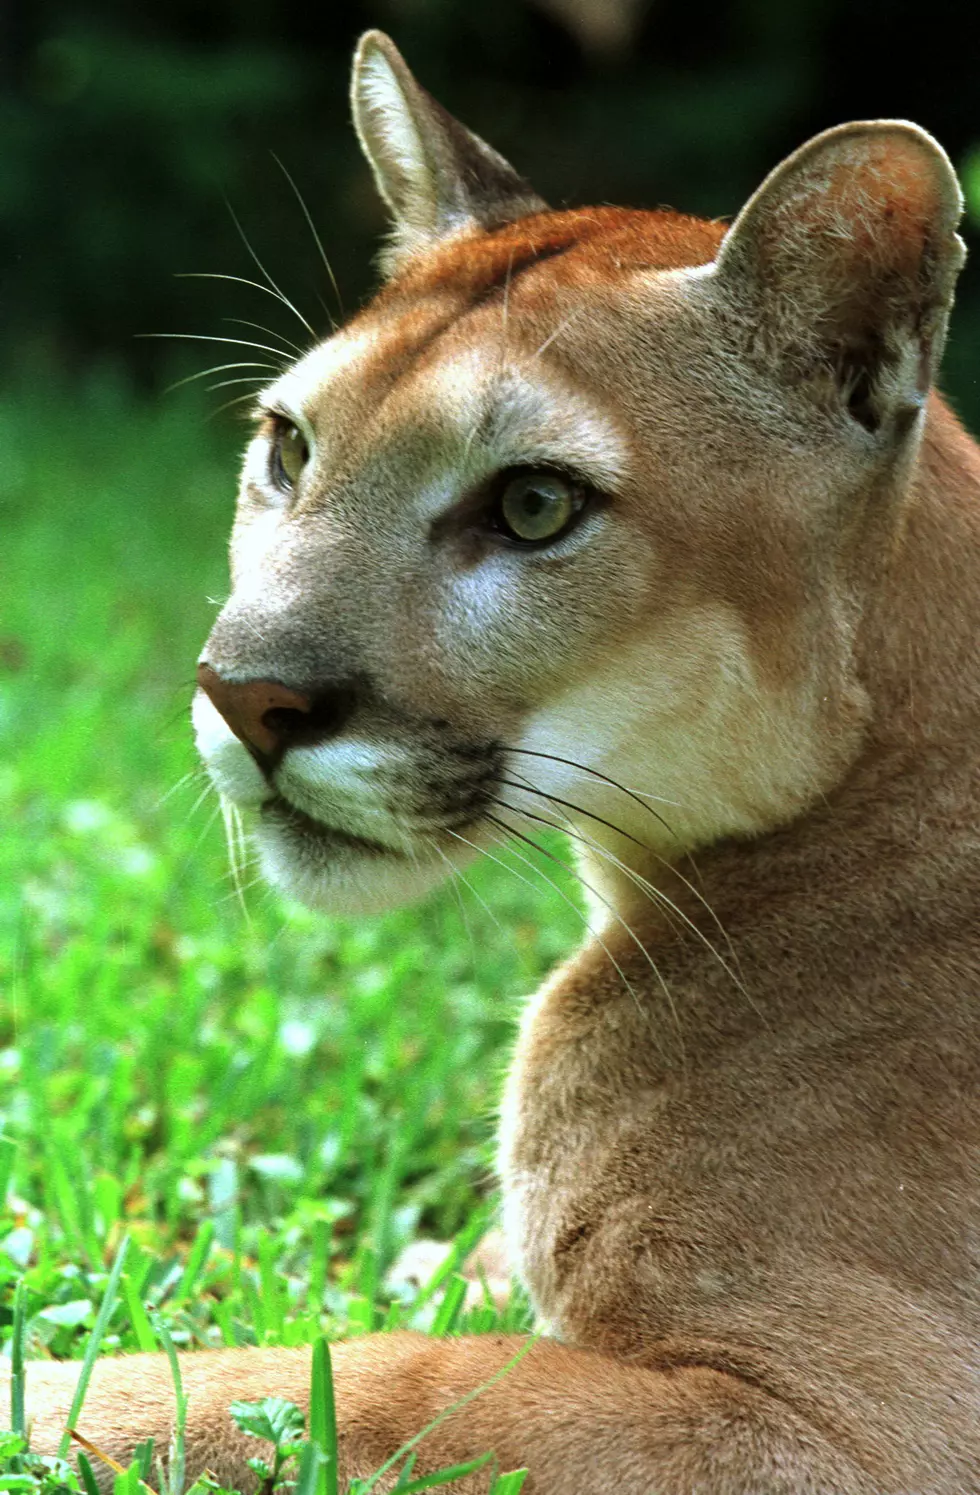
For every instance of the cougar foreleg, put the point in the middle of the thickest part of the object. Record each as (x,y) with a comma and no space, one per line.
(584,1424)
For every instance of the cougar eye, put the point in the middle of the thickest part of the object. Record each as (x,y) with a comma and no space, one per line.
(289,455)
(537,506)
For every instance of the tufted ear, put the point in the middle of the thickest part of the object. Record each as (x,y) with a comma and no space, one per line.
(435,175)
(843,265)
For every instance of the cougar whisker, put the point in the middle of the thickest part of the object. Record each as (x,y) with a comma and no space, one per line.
(504,844)
(565,828)
(209,822)
(656,895)
(220,368)
(238,280)
(271,331)
(452,873)
(552,337)
(663,861)
(238,893)
(206,337)
(202,796)
(265,274)
(252,379)
(624,923)
(316,239)
(248,399)
(595,773)
(231,816)
(556,799)
(457,875)
(189,777)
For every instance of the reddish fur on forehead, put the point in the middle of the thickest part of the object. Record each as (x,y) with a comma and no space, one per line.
(580,247)
(583,249)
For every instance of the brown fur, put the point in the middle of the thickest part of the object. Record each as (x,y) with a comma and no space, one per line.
(744,1189)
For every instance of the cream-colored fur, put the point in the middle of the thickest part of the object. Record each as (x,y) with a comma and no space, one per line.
(740,1145)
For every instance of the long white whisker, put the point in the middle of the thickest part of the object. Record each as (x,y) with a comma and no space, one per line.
(562,327)
(482,851)
(260,327)
(182,782)
(239,891)
(453,883)
(215,812)
(202,796)
(316,237)
(221,368)
(238,280)
(543,851)
(568,805)
(457,876)
(228,404)
(457,872)
(204,337)
(235,880)
(265,274)
(565,827)
(235,841)
(638,797)
(655,894)
(595,773)
(252,379)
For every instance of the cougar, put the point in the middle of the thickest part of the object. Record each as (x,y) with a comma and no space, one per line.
(654,530)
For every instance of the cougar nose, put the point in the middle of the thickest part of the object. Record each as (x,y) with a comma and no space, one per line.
(269,717)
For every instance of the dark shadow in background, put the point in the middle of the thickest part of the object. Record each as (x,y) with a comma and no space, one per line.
(122,125)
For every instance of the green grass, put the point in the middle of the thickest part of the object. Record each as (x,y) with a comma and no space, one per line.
(270,1103)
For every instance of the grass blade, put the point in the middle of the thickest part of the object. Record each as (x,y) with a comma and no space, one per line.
(128,1483)
(196,1261)
(444,1476)
(467,1239)
(7,1151)
(509,1484)
(143,1458)
(312,1467)
(450,1308)
(142,1328)
(87,1473)
(323,1418)
(94,1344)
(18,1420)
(369,1484)
(175,1472)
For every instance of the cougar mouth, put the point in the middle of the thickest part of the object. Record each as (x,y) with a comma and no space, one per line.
(343,871)
(358,826)
(325,836)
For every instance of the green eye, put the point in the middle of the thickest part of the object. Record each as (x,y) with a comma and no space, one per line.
(538,506)
(290,454)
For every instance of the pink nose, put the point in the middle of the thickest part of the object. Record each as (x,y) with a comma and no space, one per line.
(263,714)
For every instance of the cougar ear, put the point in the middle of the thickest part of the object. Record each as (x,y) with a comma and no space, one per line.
(435,175)
(843,265)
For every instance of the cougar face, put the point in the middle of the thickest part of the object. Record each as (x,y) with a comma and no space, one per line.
(547,535)
(386,589)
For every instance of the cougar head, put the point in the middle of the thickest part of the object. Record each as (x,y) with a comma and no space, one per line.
(578,520)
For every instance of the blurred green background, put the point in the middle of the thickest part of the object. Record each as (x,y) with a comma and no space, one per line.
(124,126)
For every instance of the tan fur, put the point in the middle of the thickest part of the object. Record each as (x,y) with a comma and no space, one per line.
(743,1187)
